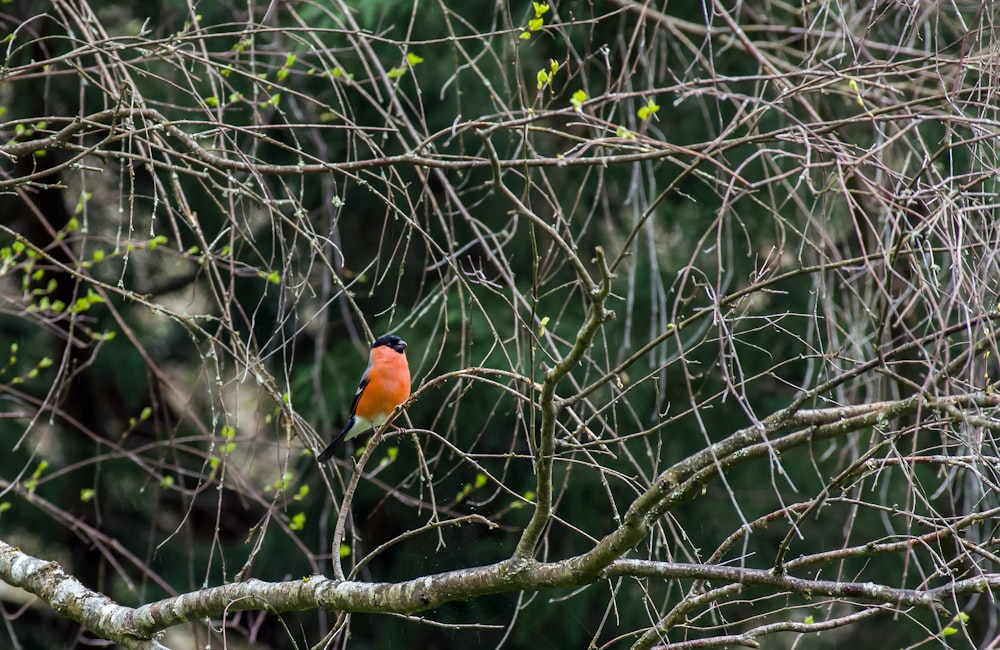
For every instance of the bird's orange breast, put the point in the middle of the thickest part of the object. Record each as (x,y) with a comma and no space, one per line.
(388,384)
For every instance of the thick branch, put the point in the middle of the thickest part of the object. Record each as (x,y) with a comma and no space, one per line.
(684,480)
(70,599)
(136,627)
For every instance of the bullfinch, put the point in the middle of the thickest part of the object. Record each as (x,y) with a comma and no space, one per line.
(384,386)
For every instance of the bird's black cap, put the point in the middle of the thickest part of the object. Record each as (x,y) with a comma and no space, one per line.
(390,340)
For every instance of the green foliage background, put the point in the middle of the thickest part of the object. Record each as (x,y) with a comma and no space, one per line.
(302,267)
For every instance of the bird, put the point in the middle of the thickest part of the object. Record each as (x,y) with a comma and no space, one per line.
(384,386)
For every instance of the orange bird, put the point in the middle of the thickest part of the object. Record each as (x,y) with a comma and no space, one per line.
(384,386)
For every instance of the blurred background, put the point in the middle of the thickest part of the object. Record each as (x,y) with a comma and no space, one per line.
(210,210)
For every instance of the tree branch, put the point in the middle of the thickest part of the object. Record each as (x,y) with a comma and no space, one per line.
(137,627)
(550,407)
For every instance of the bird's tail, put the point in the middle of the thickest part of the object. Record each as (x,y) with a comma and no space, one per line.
(327,453)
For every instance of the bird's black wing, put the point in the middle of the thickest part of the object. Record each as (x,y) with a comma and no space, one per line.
(327,453)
